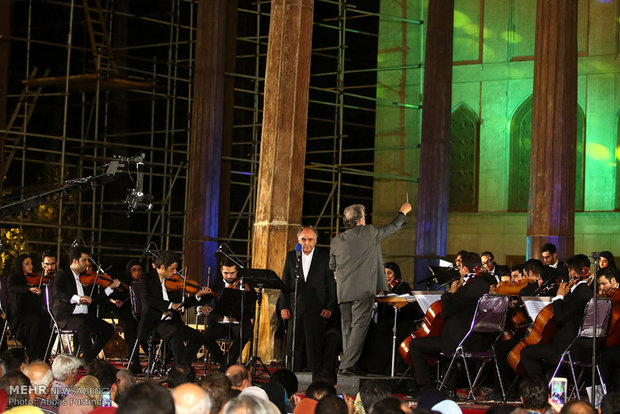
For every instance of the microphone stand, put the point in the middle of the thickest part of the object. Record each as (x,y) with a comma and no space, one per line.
(242,287)
(595,256)
(297,273)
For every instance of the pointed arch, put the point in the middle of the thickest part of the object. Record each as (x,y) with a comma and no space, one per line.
(464,145)
(520,153)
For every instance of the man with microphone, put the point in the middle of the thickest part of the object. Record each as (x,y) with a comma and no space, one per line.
(316,299)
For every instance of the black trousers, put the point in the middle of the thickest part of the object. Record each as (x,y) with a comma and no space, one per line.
(610,362)
(309,341)
(88,326)
(177,334)
(130,328)
(421,348)
(31,331)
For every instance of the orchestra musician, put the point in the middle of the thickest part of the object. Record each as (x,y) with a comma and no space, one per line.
(458,307)
(608,261)
(378,346)
(549,256)
(316,300)
(606,281)
(163,307)
(29,319)
(568,308)
(219,326)
(122,308)
(74,307)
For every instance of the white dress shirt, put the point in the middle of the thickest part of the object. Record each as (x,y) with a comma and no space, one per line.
(82,309)
(306,261)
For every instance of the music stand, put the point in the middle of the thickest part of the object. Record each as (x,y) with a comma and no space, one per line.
(260,279)
(229,304)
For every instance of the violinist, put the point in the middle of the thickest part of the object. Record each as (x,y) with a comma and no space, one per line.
(608,261)
(568,308)
(162,310)
(378,347)
(606,282)
(75,308)
(29,320)
(549,256)
(458,307)
(219,326)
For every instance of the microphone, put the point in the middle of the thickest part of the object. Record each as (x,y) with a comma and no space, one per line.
(298,251)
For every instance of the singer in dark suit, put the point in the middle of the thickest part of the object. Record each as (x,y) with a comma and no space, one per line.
(316,299)
(75,308)
(161,310)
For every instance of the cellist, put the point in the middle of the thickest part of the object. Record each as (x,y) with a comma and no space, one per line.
(458,307)
(568,308)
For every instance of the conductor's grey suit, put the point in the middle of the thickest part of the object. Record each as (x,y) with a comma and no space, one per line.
(357,262)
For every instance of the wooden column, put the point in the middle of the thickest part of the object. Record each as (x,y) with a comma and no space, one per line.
(206,141)
(551,211)
(283,147)
(5,32)
(434,182)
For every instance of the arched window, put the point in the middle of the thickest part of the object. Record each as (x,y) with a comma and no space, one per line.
(464,142)
(520,148)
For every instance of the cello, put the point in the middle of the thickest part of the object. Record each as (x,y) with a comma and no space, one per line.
(432,325)
(613,331)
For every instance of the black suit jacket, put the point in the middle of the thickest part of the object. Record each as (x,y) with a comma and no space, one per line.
(23,302)
(64,289)
(316,293)
(250,302)
(568,313)
(154,305)
(458,310)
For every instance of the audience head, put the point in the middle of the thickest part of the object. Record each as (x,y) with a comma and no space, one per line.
(65,368)
(146,398)
(247,404)
(181,374)
(40,376)
(577,407)
(610,404)
(319,389)
(331,404)
(15,358)
(386,405)
(534,393)
(239,377)
(372,391)
(277,395)
(288,379)
(17,386)
(104,371)
(326,375)
(217,386)
(447,407)
(124,381)
(191,399)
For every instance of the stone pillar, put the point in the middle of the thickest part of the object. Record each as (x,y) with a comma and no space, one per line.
(283,147)
(206,142)
(551,211)
(434,181)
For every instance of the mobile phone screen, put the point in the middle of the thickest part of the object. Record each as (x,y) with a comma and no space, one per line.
(106,399)
(558,390)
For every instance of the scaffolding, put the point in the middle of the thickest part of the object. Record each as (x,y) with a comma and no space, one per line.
(95,78)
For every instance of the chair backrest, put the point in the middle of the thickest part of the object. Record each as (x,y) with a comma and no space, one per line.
(490,314)
(136,290)
(603,313)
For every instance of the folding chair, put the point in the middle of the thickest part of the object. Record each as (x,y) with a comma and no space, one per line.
(489,319)
(586,331)
(63,342)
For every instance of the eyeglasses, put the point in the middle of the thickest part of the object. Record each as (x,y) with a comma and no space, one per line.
(485,263)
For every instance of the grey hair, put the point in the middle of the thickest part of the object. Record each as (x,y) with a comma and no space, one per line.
(302,228)
(352,215)
(200,407)
(246,404)
(64,365)
(44,380)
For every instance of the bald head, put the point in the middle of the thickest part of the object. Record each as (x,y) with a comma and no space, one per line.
(577,407)
(40,375)
(189,398)
(239,377)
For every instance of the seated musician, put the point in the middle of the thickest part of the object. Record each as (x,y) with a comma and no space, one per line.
(606,281)
(74,305)
(121,306)
(378,346)
(568,307)
(608,261)
(29,319)
(162,310)
(220,326)
(458,307)
(610,354)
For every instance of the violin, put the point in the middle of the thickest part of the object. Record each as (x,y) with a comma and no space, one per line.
(176,284)
(392,285)
(37,280)
(512,289)
(89,277)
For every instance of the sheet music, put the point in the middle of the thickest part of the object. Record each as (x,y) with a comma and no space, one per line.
(426,298)
(534,304)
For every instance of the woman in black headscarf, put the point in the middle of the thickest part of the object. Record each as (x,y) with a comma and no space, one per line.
(607,260)
(28,317)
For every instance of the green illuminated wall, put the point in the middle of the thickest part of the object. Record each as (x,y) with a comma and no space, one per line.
(493,77)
